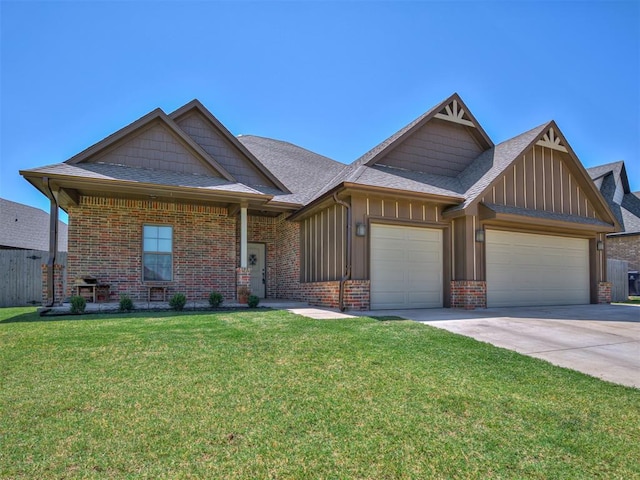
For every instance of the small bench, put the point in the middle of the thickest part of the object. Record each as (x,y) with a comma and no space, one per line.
(161,287)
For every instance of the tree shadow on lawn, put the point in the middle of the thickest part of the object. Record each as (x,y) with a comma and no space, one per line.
(32,317)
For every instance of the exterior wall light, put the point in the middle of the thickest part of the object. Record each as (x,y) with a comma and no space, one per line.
(600,245)
(480,236)
(361,229)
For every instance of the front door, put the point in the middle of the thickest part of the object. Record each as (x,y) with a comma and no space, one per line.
(256,262)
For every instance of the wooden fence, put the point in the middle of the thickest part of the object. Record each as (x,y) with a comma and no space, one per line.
(21,276)
(617,276)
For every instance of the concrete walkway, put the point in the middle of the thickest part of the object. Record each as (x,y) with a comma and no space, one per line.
(599,340)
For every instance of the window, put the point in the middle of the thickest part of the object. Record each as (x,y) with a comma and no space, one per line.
(157,253)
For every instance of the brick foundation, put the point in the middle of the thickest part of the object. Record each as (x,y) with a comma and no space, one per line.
(468,294)
(604,292)
(58,282)
(327,294)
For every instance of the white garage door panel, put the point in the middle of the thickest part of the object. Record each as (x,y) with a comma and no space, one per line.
(406,267)
(528,269)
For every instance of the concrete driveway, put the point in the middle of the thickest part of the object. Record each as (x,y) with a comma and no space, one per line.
(599,340)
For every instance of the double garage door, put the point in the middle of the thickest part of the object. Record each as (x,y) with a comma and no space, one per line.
(527,269)
(522,268)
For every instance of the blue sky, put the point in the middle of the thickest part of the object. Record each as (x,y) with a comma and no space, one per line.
(334,77)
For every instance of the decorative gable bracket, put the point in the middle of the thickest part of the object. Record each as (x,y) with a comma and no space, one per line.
(455,113)
(550,140)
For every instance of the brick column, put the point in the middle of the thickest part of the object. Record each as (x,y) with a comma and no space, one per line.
(357,294)
(243,278)
(58,284)
(468,294)
(604,292)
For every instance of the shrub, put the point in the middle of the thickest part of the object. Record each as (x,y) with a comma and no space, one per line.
(126,304)
(215,299)
(178,301)
(253,301)
(78,304)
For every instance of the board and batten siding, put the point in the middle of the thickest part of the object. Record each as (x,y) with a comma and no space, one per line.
(370,209)
(323,245)
(542,179)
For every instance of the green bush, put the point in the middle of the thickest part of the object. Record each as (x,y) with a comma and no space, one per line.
(126,304)
(215,299)
(253,302)
(178,301)
(78,304)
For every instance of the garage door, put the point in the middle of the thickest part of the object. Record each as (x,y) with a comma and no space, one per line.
(406,267)
(527,269)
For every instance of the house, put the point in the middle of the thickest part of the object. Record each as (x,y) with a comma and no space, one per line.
(436,215)
(27,228)
(612,181)
(24,243)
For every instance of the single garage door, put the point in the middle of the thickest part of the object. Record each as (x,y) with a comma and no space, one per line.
(406,267)
(527,269)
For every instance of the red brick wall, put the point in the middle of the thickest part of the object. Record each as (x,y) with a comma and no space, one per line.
(105,240)
(468,294)
(58,282)
(327,294)
(625,247)
(357,294)
(604,292)
(287,259)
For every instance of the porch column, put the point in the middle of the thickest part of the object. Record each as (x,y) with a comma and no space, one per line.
(243,237)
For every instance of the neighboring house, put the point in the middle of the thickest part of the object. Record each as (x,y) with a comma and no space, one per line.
(24,246)
(612,181)
(436,215)
(27,228)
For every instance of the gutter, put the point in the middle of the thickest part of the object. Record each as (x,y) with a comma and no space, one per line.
(347,273)
(53,244)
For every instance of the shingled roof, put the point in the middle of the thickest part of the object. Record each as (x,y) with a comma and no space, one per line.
(25,227)
(625,205)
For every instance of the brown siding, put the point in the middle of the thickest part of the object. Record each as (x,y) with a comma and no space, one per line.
(367,209)
(156,148)
(323,245)
(214,143)
(439,147)
(542,179)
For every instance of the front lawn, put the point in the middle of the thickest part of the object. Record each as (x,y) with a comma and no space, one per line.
(268,394)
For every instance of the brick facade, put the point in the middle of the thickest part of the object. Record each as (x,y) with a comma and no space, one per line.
(327,294)
(287,259)
(468,294)
(105,238)
(58,282)
(625,247)
(604,292)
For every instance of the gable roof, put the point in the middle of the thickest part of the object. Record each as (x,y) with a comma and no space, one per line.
(627,209)
(385,147)
(159,116)
(222,130)
(25,227)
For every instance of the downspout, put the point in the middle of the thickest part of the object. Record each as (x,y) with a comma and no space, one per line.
(53,244)
(347,273)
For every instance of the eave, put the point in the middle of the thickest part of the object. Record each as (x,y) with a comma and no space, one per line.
(542,219)
(74,187)
(347,188)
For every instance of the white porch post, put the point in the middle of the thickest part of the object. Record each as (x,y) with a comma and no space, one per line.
(243,237)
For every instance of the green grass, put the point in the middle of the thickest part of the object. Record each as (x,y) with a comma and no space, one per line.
(633,300)
(267,394)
